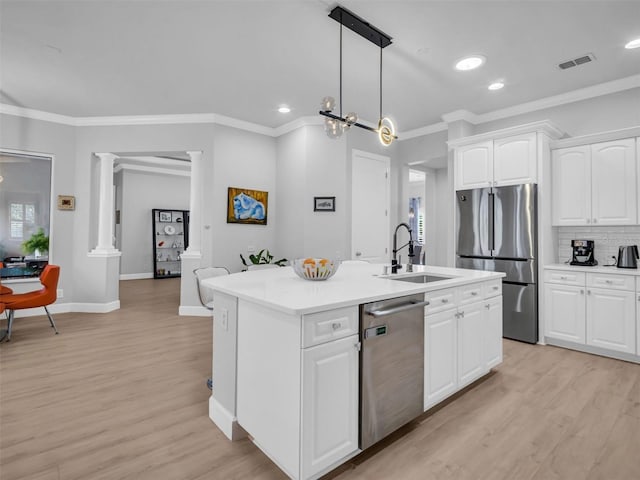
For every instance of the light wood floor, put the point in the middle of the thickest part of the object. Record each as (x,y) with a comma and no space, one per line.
(123,395)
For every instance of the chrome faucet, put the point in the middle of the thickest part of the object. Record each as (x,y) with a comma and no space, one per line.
(394,261)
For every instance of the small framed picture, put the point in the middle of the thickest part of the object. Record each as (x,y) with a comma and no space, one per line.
(66,202)
(164,216)
(324,204)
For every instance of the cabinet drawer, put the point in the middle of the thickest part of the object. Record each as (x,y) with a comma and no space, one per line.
(616,282)
(323,327)
(440,300)
(492,288)
(564,277)
(470,293)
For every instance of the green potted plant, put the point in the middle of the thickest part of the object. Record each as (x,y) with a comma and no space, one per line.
(37,244)
(261,258)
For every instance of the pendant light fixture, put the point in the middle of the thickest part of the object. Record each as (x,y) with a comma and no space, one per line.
(336,125)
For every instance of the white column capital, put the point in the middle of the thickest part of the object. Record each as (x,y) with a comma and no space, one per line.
(106,156)
(195,154)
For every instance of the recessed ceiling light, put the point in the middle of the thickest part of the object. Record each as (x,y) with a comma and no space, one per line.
(284,109)
(496,86)
(633,44)
(469,63)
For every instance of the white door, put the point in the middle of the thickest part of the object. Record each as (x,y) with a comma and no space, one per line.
(493,332)
(329,403)
(571,186)
(514,160)
(370,207)
(613,184)
(564,312)
(471,331)
(611,319)
(440,378)
(474,166)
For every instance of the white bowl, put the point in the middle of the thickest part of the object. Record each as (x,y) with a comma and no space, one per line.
(315,268)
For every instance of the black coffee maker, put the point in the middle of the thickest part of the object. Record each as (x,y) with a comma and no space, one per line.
(583,253)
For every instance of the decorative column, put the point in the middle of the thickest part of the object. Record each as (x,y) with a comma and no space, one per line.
(105,206)
(195,203)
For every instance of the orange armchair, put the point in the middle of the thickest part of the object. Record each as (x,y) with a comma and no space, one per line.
(4,290)
(39,298)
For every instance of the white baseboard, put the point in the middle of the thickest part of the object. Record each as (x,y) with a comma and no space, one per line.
(194,311)
(69,308)
(225,421)
(136,276)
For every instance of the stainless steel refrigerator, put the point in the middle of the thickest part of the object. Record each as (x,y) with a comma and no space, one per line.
(497,231)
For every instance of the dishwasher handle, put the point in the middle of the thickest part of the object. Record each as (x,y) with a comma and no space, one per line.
(397,309)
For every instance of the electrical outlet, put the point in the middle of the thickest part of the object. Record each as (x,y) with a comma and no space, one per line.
(224,318)
(60,293)
(251,249)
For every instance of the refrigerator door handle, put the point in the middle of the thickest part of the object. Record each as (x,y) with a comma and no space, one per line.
(492,246)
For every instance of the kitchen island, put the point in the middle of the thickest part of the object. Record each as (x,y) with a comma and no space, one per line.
(286,353)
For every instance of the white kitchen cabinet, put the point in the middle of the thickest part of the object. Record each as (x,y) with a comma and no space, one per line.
(474,166)
(564,312)
(571,186)
(440,350)
(638,322)
(471,331)
(613,183)
(505,161)
(595,184)
(611,319)
(329,403)
(492,345)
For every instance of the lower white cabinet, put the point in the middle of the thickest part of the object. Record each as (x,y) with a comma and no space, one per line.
(611,319)
(441,377)
(564,312)
(493,332)
(329,403)
(471,324)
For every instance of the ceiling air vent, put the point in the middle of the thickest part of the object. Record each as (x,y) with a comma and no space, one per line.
(577,61)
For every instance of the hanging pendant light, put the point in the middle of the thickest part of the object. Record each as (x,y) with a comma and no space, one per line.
(336,125)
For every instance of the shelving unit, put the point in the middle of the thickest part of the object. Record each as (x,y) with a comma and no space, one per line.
(170,238)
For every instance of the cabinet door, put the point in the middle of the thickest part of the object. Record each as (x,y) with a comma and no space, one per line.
(571,186)
(440,378)
(514,160)
(474,166)
(493,332)
(471,364)
(611,319)
(613,184)
(329,403)
(637,323)
(564,312)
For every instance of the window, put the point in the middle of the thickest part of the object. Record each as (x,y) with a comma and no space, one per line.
(25,203)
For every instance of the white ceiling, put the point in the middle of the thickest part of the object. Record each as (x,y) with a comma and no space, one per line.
(243,59)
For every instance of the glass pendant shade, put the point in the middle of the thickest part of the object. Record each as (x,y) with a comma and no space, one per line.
(328,104)
(351,118)
(333,128)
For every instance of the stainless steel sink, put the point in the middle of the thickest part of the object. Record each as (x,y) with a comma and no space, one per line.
(423,278)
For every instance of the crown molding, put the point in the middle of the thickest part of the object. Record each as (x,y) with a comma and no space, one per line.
(156,170)
(586,93)
(608,136)
(545,126)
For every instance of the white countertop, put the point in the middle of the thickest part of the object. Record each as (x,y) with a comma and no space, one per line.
(597,269)
(353,284)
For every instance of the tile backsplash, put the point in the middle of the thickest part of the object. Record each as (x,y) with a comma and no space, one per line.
(607,240)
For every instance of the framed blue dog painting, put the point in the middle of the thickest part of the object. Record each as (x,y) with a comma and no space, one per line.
(247,206)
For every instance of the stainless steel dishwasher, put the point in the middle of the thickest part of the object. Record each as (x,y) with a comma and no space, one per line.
(391,366)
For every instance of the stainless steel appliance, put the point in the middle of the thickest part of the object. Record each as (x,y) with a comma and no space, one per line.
(628,257)
(391,366)
(497,231)
(583,253)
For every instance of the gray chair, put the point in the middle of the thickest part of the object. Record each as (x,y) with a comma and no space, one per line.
(206,294)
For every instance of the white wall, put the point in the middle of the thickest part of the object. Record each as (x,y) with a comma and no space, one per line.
(142,192)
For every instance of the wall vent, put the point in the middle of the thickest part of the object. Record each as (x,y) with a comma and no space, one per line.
(589,57)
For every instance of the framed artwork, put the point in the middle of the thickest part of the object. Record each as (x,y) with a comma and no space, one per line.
(66,202)
(324,204)
(247,206)
(164,216)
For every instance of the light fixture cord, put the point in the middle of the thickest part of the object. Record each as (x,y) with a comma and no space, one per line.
(340,64)
(380,82)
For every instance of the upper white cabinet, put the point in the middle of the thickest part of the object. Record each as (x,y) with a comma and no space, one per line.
(505,161)
(595,184)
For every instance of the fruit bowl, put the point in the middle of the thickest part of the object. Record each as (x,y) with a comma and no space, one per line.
(315,268)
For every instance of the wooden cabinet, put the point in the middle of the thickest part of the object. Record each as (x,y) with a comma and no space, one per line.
(440,350)
(492,344)
(611,319)
(329,403)
(564,312)
(505,161)
(595,184)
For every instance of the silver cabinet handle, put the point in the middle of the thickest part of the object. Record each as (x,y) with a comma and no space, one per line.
(445,300)
(595,220)
(588,220)
(588,292)
(495,287)
(358,345)
(336,325)
(562,277)
(487,306)
(462,314)
(582,293)
(608,281)
(358,254)
(399,308)
(473,294)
